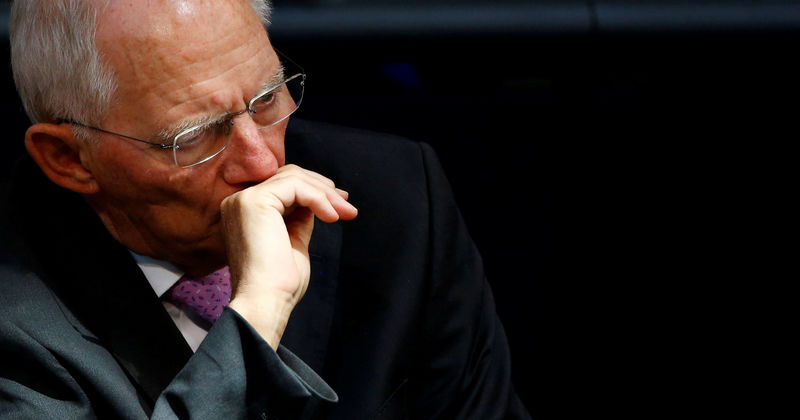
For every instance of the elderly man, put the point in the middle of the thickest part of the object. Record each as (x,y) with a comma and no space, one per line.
(164,277)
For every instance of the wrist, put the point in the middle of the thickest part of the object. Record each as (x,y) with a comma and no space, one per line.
(267,312)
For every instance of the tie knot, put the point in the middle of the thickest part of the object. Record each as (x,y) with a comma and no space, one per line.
(203,297)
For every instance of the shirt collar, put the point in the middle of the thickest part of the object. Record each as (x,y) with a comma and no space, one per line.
(160,274)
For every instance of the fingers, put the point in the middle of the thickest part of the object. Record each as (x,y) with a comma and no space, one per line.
(294,187)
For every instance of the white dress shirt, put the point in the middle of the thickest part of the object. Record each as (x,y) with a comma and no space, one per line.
(162,275)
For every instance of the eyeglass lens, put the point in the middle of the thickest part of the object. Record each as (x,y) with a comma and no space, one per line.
(202,143)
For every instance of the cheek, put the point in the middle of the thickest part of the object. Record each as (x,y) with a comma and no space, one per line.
(277,142)
(121,173)
(137,180)
(280,154)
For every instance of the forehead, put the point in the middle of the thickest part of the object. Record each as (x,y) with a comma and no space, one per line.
(174,58)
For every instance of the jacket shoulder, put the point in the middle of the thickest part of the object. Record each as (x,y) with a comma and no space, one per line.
(27,302)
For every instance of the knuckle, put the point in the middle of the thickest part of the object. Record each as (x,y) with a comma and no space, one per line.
(290,167)
(242,196)
(229,201)
(319,195)
(329,182)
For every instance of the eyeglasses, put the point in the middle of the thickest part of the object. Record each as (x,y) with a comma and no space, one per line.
(200,143)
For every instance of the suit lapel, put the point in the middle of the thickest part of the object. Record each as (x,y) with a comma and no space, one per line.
(100,283)
(132,321)
(308,331)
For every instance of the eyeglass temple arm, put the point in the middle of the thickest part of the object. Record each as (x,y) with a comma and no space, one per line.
(161,145)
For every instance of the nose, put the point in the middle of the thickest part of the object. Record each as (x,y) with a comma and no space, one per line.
(252,154)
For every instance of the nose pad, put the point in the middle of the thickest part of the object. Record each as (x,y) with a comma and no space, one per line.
(249,156)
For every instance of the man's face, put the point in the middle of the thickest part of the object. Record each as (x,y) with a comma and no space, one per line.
(180,61)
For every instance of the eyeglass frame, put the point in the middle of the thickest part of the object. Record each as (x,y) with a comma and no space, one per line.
(229,116)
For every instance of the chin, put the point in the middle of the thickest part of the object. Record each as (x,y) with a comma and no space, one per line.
(200,252)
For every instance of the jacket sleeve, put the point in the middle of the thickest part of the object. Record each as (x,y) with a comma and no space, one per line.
(236,374)
(466,371)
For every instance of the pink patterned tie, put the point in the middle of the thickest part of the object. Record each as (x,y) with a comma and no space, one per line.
(205,297)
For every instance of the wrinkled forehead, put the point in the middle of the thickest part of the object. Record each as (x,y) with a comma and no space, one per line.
(166,18)
(163,46)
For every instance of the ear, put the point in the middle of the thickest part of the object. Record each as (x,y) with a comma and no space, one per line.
(58,153)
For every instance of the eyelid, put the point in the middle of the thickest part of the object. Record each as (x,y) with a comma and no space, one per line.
(267,90)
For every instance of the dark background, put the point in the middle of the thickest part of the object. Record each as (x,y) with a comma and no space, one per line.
(617,163)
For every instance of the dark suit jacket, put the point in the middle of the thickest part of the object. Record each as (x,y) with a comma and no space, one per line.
(398,318)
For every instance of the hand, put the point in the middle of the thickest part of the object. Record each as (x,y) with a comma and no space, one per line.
(267,229)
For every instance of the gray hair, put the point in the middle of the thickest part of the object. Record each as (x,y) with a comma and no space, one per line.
(59,73)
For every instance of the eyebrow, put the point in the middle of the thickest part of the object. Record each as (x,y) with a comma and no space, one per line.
(277,78)
(168,134)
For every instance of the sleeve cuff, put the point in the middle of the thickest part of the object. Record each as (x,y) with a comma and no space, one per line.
(313,382)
